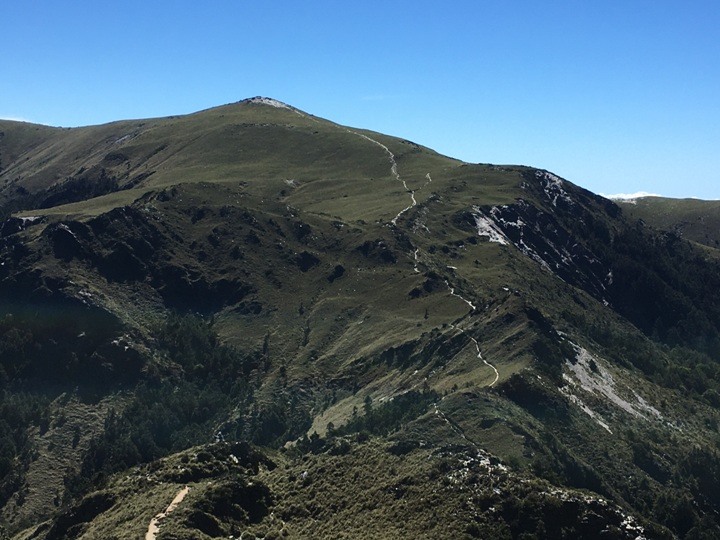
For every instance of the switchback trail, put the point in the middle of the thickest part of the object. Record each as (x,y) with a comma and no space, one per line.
(475,341)
(393,222)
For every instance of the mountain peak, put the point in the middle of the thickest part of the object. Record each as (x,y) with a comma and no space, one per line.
(267,101)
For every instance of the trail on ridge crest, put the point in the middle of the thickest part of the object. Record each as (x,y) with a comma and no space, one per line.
(154,526)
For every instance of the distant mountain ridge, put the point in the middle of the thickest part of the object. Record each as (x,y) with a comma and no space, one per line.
(694,219)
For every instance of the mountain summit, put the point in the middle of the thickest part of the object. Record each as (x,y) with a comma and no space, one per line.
(268,101)
(253,321)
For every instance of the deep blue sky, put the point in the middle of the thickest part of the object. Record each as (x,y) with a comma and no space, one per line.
(617,96)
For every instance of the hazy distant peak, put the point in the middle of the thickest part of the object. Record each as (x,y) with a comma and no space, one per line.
(630,197)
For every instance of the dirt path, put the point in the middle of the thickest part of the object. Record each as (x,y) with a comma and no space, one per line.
(391,156)
(488,364)
(154,526)
(456,295)
(411,192)
(416,257)
(414,203)
(394,172)
(475,341)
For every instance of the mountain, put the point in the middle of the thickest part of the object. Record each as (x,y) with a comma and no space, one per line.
(693,219)
(295,328)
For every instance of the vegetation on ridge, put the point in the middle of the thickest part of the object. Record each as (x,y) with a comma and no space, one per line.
(391,328)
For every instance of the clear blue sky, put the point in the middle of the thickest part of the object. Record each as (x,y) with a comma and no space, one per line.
(617,96)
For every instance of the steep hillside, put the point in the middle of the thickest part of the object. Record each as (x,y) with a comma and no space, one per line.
(388,326)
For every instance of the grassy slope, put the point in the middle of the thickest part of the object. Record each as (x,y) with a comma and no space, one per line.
(240,192)
(693,219)
(280,166)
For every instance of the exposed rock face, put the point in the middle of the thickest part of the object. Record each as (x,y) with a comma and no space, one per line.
(542,238)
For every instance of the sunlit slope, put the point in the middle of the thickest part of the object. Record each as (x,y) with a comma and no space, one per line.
(270,151)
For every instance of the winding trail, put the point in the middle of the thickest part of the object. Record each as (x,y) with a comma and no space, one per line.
(480,356)
(416,258)
(394,172)
(154,526)
(453,293)
(414,203)
(391,156)
(475,341)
